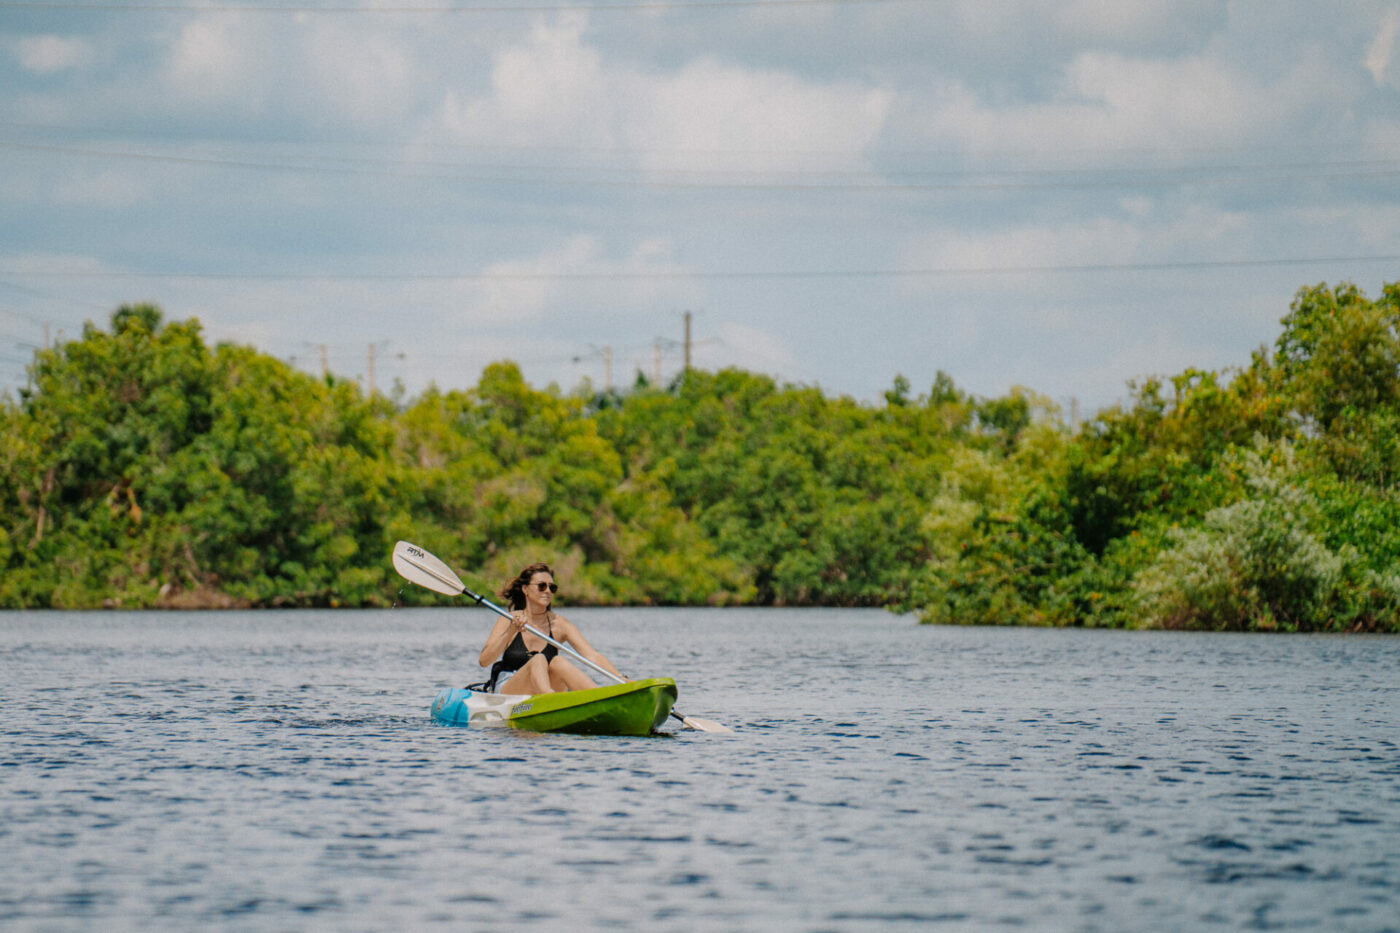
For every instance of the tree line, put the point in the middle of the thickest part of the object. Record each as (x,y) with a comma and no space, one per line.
(142,467)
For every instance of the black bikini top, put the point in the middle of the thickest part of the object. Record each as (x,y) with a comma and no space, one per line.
(516,654)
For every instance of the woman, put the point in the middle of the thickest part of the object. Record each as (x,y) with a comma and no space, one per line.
(538,666)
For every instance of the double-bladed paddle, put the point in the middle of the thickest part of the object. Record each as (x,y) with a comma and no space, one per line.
(418,566)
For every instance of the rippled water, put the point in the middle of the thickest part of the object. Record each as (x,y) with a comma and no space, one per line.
(278,770)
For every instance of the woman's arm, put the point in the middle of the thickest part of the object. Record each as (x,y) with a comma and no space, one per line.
(568,633)
(500,638)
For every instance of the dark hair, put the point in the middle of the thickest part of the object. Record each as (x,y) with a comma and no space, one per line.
(514,591)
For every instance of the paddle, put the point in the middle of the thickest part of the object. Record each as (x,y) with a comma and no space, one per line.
(418,566)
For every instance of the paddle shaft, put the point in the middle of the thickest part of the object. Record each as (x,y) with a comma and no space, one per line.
(483,601)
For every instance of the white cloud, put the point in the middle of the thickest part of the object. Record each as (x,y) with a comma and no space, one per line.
(1128,238)
(1157,101)
(214,58)
(525,289)
(1110,102)
(1381,53)
(518,289)
(775,119)
(320,72)
(748,348)
(555,89)
(1096,241)
(50,54)
(547,90)
(367,79)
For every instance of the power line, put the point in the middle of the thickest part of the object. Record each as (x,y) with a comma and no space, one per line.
(20,315)
(598,7)
(13,286)
(932,272)
(1272,148)
(381,168)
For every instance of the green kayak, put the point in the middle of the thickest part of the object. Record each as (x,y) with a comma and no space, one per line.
(637,707)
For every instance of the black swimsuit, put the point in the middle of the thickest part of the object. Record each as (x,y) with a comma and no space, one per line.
(514,658)
(517,655)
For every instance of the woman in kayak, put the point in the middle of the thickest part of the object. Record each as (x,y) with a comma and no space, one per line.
(536,664)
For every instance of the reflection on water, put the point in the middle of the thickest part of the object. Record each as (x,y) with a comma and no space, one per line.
(278,770)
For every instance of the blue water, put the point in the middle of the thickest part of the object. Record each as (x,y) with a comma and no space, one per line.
(278,771)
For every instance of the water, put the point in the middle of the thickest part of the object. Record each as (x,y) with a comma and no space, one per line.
(278,771)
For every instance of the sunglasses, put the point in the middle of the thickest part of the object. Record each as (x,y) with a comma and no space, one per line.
(543,587)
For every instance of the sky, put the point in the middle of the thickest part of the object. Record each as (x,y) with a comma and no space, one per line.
(1065,196)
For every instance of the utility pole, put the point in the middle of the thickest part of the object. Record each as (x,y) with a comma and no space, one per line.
(324,368)
(687,342)
(373,348)
(655,363)
(46,336)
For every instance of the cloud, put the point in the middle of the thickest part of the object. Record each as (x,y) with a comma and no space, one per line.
(314,70)
(50,54)
(749,348)
(1095,241)
(555,89)
(215,59)
(1107,101)
(521,289)
(709,106)
(366,79)
(1381,53)
(524,289)
(546,90)
(1132,234)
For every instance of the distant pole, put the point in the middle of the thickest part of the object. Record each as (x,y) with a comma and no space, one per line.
(687,341)
(371,370)
(655,363)
(46,336)
(1074,414)
(324,368)
(607,369)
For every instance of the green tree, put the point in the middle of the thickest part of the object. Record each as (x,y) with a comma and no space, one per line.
(1338,361)
(1263,563)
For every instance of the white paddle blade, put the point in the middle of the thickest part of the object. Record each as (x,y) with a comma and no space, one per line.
(703,725)
(418,566)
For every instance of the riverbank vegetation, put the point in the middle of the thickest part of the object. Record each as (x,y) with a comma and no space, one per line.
(143,467)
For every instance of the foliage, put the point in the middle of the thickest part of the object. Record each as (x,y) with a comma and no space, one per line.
(154,471)
(144,468)
(1262,562)
(1262,499)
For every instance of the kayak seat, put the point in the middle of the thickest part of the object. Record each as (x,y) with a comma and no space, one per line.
(489,684)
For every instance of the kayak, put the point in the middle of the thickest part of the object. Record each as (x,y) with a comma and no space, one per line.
(637,707)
